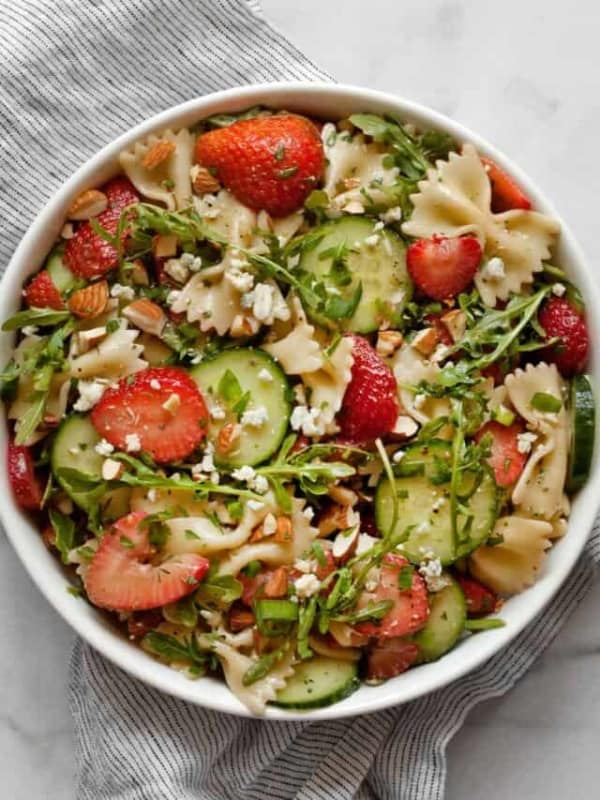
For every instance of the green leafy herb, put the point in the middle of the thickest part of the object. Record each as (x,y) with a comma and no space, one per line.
(264,665)
(35,316)
(171,649)
(183,612)
(218,591)
(405,576)
(486,624)
(64,533)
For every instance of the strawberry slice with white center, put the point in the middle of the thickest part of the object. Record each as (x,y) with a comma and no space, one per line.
(123,575)
(410,607)
(159,410)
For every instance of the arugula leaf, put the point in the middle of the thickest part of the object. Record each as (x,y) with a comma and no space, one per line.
(229,387)
(35,316)
(183,612)
(64,532)
(171,649)
(218,591)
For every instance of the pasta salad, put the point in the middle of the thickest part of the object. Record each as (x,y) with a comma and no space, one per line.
(300,402)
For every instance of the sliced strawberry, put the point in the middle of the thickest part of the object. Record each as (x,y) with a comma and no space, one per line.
(506,194)
(135,407)
(270,163)
(41,292)
(410,607)
(443,267)
(87,254)
(390,658)
(26,486)
(480,600)
(370,405)
(506,460)
(563,321)
(123,577)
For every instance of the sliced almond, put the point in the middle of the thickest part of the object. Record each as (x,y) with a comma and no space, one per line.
(404,428)
(337,518)
(172,403)
(388,342)
(164,245)
(146,315)
(228,437)
(158,153)
(243,326)
(88,204)
(203,181)
(277,584)
(240,618)
(351,183)
(354,207)
(426,341)
(89,302)
(139,273)
(111,469)
(343,495)
(284,532)
(86,340)
(456,323)
(67,231)
(344,544)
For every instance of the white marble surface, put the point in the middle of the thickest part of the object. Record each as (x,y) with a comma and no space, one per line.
(526,74)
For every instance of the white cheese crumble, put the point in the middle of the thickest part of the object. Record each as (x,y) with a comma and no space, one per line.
(30,330)
(154,384)
(255,417)
(265,376)
(307,585)
(269,524)
(173,297)
(398,456)
(307,420)
(308,513)
(493,270)
(192,262)
(255,505)
(122,292)
(132,443)
(218,413)
(90,393)
(432,572)
(393,214)
(378,226)
(525,441)
(104,448)
(177,269)
(260,484)
(245,473)
(365,542)
(558,290)
(372,240)
(305,565)
(420,400)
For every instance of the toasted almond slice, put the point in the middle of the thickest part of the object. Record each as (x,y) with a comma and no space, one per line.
(139,273)
(240,619)
(112,469)
(404,427)
(146,315)
(337,518)
(388,342)
(426,341)
(158,153)
(277,584)
(172,403)
(88,204)
(343,495)
(164,245)
(344,544)
(228,436)
(90,338)
(456,323)
(243,326)
(89,302)
(203,181)
(284,532)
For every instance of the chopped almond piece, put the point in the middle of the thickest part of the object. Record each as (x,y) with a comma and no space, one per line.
(344,544)
(343,495)
(426,341)
(228,437)
(139,273)
(337,518)
(146,315)
(388,342)
(243,326)
(89,302)
(456,323)
(277,584)
(88,204)
(112,469)
(164,245)
(158,153)
(240,618)
(404,428)
(203,181)
(284,532)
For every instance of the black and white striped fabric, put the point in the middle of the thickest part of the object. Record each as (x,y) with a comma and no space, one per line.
(74,75)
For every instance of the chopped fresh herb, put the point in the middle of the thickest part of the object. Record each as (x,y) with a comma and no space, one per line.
(548,403)
(288,172)
(486,624)
(64,533)
(405,577)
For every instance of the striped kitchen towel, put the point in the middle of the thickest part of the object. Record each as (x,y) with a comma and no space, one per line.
(74,75)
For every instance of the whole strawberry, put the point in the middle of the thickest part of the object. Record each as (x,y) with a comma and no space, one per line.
(41,292)
(370,405)
(563,321)
(441,267)
(270,163)
(89,255)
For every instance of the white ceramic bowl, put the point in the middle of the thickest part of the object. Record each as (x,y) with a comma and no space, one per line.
(327,101)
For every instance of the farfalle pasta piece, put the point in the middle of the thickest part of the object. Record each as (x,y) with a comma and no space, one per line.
(299,351)
(410,368)
(117,356)
(540,489)
(455,200)
(328,383)
(210,301)
(355,171)
(169,181)
(511,566)
(256,696)
(227,217)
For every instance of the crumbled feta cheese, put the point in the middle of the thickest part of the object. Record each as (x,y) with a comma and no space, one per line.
(104,448)
(154,384)
(307,585)
(432,572)
(132,443)
(525,441)
(217,413)
(151,495)
(378,226)
(393,214)
(255,417)
(192,262)
(122,292)
(265,376)
(259,484)
(308,513)
(242,281)
(440,353)
(493,270)
(420,400)
(307,420)
(293,261)
(300,394)
(90,393)
(173,297)
(30,330)
(245,473)
(305,565)
(398,456)
(372,240)
(197,358)
(558,289)
(176,269)
(255,505)
(207,464)
(260,300)
(269,524)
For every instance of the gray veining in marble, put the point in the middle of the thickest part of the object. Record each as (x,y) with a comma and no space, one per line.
(525,74)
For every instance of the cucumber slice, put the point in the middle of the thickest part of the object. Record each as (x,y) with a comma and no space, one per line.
(423,502)
(583,415)
(258,375)
(62,277)
(379,267)
(445,624)
(318,683)
(73,448)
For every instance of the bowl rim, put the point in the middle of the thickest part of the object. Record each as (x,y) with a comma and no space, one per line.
(93,628)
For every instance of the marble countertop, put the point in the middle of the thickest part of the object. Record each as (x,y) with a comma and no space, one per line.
(527,76)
